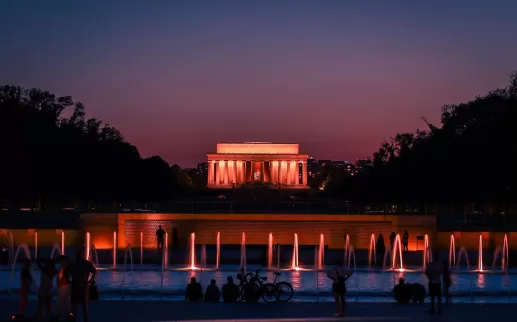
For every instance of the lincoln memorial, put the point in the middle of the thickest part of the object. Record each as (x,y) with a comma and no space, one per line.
(257,162)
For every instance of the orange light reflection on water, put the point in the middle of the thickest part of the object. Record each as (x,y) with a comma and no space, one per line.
(480,281)
(296,280)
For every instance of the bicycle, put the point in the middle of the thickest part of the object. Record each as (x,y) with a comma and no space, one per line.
(271,292)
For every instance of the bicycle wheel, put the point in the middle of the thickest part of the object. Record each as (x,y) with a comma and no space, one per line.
(268,292)
(284,291)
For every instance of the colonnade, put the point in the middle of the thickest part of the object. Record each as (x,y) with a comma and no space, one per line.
(224,172)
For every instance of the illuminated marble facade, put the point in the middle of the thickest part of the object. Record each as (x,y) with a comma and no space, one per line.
(269,163)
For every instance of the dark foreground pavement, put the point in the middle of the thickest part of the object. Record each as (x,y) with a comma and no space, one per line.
(154,311)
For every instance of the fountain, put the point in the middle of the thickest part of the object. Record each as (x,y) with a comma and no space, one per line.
(218,250)
(192,251)
(141,248)
(350,255)
(62,242)
(503,251)
(35,245)
(463,251)
(428,256)
(114,249)
(321,252)
(25,247)
(87,250)
(480,254)
(166,250)
(295,253)
(55,249)
(373,246)
(452,251)
(347,245)
(270,251)
(243,252)
(130,252)
(397,246)
(93,251)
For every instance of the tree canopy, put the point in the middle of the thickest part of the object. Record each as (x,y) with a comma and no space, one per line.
(48,157)
(470,156)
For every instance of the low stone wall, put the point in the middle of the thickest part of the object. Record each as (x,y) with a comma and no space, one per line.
(256,227)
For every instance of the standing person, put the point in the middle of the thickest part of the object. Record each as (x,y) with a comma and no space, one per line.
(26,282)
(83,274)
(46,287)
(339,276)
(434,273)
(405,240)
(160,233)
(63,289)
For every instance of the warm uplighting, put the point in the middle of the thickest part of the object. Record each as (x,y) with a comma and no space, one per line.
(397,246)
(87,253)
(114,249)
(452,251)
(480,254)
(295,253)
(192,252)
(372,251)
(218,250)
(270,251)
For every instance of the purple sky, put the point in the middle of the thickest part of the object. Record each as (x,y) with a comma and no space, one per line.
(338,77)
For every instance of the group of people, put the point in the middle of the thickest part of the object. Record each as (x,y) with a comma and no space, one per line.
(194,292)
(73,281)
(437,272)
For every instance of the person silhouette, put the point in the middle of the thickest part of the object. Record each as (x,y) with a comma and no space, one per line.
(434,272)
(230,291)
(212,293)
(194,291)
(160,233)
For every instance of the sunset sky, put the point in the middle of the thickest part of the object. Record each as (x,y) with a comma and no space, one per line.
(338,77)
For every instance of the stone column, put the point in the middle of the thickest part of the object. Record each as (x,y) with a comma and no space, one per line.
(235,172)
(225,176)
(296,174)
(210,176)
(288,172)
(217,173)
(283,172)
(304,173)
(262,169)
(278,172)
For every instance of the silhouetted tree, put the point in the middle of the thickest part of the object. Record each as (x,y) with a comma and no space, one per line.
(470,156)
(49,158)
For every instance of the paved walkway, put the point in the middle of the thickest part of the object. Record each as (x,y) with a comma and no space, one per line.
(161,311)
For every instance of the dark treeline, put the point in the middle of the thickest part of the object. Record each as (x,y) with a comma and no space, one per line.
(48,158)
(470,156)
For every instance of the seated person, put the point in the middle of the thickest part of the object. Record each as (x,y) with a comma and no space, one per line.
(230,291)
(194,291)
(212,293)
